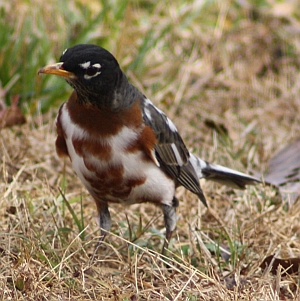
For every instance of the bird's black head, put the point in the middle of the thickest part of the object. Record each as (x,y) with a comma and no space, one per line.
(92,71)
(96,71)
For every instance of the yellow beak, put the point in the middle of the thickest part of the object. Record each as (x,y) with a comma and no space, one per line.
(57,70)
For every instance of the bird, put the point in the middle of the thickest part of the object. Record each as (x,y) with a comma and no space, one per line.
(283,171)
(122,147)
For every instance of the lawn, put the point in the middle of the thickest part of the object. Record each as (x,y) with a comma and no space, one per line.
(228,74)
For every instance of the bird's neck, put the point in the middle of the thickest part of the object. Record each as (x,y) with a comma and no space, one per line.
(116,96)
(125,94)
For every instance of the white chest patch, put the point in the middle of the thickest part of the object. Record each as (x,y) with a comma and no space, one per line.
(156,187)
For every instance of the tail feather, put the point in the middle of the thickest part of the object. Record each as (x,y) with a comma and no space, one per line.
(223,175)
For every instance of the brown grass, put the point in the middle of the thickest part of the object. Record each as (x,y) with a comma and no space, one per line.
(245,77)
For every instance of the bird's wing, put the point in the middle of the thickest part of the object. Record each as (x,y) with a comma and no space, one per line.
(170,150)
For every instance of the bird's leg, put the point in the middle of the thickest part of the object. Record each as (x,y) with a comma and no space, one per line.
(104,223)
(170,222)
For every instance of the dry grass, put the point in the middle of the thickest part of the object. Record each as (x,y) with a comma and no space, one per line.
(242,72)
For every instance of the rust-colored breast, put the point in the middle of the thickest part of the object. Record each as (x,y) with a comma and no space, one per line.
(102,122)
(145,143)
(111,152)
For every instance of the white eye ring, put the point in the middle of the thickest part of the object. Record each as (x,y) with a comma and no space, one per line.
(97,65)
(92,71)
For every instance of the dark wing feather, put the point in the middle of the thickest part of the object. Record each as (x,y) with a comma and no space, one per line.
(170,150)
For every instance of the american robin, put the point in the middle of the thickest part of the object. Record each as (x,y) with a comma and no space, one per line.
(123,148)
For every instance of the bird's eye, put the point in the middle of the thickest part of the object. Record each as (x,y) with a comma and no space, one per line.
(91,71)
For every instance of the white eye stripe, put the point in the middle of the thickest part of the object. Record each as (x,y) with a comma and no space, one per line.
(64,51)
(85,65)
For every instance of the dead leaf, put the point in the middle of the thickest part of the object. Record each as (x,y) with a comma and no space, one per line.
(290,265)
(12,115)
(11,210)
(220,128)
